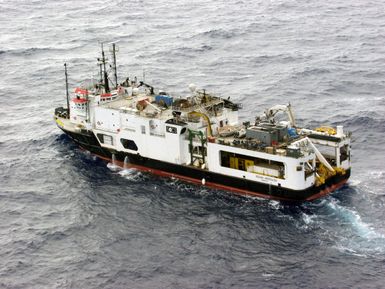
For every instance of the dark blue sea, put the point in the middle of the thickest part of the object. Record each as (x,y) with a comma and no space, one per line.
(69,220)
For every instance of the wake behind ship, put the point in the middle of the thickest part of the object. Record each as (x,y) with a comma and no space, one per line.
(199,139)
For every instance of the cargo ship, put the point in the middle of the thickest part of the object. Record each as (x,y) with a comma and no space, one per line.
(199,138)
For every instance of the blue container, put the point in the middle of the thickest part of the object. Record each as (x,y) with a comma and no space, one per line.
(164,99)
(292,132)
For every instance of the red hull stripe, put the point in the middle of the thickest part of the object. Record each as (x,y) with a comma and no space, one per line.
(195,181)
(327,190)
(322,193)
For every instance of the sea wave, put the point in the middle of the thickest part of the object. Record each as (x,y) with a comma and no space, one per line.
(66,214)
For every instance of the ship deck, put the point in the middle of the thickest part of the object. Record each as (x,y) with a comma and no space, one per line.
(156,111)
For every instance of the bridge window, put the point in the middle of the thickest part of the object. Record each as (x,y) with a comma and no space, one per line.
(344,151)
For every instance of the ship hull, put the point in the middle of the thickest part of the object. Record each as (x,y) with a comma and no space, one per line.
(87,140)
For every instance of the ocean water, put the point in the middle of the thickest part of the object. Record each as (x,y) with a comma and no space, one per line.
(70,220)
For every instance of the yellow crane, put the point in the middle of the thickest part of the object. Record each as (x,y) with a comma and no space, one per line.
(206,118)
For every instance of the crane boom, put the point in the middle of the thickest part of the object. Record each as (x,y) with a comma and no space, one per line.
(206,118)
(271,112)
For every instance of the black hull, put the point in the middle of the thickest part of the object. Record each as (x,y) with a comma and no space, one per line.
(88,141)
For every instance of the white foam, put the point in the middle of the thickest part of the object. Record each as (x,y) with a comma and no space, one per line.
(113,167)
(365,238)
(276,205)
(349,251)
(127,172)
(354,182)
(308,219)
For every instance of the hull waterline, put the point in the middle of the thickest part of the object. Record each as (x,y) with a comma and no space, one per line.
(87,141)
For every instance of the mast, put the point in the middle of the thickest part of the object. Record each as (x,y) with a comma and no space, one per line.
(103,72)
(115,69)
(106,85)
(100,72)
(67,94)
(87,106)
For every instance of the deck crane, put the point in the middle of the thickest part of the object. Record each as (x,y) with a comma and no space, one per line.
(271,112)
